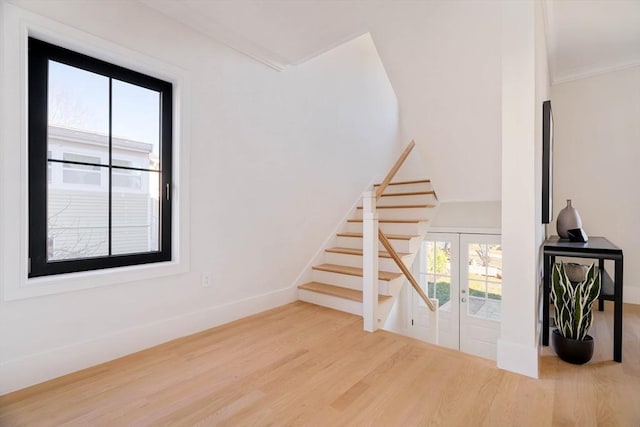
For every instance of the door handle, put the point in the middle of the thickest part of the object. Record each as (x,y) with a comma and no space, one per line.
(463,299)
(464,291)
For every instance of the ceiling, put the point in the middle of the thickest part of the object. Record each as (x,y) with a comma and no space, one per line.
(278,33)
(584,37)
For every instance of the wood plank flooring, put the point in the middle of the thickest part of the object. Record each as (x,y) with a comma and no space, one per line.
(302,364)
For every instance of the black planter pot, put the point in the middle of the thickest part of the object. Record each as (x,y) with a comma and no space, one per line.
(572,351)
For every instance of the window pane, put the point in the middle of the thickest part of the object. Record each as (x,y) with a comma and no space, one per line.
(475,306)
(78,109)
(443,258)
(477,288)
(485,281)
(426,282)
(478,260)
(126,178)
(443,292)
(494,290)
(438,257)
(494,268)
(484,308)
(135,212)
(77,223)
(436,287)
(81,174)
(136,124)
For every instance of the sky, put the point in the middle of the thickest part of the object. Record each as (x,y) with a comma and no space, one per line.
(79,99)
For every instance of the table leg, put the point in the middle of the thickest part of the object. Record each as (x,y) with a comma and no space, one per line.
(601,298)
(617,312)
(546,278)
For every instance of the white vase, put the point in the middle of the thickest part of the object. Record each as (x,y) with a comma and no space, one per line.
(568,219)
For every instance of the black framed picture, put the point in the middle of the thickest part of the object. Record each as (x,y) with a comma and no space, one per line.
(547,163)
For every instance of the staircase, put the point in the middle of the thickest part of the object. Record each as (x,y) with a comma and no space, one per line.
(404,209)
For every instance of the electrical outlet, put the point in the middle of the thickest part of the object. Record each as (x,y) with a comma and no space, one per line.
(206,280)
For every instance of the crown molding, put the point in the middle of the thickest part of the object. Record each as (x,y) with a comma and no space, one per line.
(592,72)
(211,29)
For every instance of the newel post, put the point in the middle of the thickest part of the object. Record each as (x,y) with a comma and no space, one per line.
(369,261)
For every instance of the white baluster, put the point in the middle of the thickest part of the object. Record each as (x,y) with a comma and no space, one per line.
(369,261)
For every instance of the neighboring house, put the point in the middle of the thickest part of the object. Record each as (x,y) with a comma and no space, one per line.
(78,201)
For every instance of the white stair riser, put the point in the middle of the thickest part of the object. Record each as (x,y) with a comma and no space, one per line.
(349,242)
(343,259)
(348,281)
(384,264)
(336,303)
(406,200)
(404,213)
(403,246)
(405,188)
(410,229)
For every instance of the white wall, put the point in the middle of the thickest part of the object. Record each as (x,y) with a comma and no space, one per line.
(524,86)
(542,93)
(467,215)
(596,158)
(277,159)
(444,62)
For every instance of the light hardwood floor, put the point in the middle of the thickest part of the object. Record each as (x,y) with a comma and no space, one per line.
(306,365)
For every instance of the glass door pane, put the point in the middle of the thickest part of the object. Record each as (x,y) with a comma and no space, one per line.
(484,280)
(480,293)
(435,272)
(438,272)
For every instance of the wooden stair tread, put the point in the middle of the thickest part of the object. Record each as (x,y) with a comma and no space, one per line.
(394,221)
(389,236)
(403,206)
(337,291)
(351,251)
(354,271)
(409,193)
(415,181)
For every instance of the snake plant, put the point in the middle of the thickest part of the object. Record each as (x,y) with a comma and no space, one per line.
(573,301)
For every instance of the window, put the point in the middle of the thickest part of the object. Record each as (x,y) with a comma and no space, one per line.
(99,164)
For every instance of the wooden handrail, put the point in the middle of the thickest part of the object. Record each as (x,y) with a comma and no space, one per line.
(383,239)
(405,270)
(394,169)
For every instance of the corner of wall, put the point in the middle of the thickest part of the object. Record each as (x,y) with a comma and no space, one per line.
(515,357)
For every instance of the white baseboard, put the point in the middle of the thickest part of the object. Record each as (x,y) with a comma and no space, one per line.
(36,368)
(518,358)
(631,294)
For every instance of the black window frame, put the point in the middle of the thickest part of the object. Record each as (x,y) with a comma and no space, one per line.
(40,53)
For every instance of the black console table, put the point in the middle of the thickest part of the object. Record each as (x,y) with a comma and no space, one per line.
(597,248)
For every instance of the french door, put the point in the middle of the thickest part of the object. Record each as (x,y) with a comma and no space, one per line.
(480,293)
(437,268)
(464,272)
